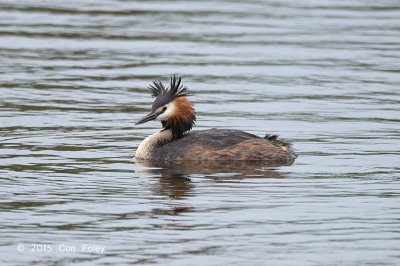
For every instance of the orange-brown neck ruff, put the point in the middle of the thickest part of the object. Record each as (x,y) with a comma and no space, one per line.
(183,117)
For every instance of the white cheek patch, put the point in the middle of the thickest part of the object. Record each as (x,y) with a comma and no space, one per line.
(167,114)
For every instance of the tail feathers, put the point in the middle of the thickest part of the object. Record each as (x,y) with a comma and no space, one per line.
(271,137)
(274,139)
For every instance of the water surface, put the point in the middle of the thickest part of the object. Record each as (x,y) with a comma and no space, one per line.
(323,75)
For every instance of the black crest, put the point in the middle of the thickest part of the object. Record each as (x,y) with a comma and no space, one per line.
(165,95)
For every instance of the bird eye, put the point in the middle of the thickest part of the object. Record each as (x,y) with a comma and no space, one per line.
(164,108)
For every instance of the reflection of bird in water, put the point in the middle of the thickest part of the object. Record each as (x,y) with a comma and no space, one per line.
(175,186)
(217,170)
(175,143)
(175,180)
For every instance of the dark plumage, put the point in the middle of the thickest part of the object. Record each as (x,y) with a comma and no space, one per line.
(225,144)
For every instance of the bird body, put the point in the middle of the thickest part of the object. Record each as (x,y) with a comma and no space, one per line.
(214,144)
(175,143)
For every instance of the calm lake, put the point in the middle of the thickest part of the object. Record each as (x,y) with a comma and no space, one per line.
(324,75)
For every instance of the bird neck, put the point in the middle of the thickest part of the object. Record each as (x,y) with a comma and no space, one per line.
(146,147)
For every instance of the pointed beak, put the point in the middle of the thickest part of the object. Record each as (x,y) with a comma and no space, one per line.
(147,118)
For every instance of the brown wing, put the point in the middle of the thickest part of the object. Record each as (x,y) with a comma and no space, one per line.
(223,144)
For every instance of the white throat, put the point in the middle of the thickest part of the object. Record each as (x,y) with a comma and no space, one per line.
(148,144)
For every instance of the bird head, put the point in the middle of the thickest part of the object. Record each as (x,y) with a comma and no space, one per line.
(171,107)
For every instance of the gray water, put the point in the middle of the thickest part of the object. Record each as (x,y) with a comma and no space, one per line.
(324,75)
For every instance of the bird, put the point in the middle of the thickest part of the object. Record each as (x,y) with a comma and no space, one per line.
(175,142)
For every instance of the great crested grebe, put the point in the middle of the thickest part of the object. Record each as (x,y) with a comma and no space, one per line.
(175,143)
